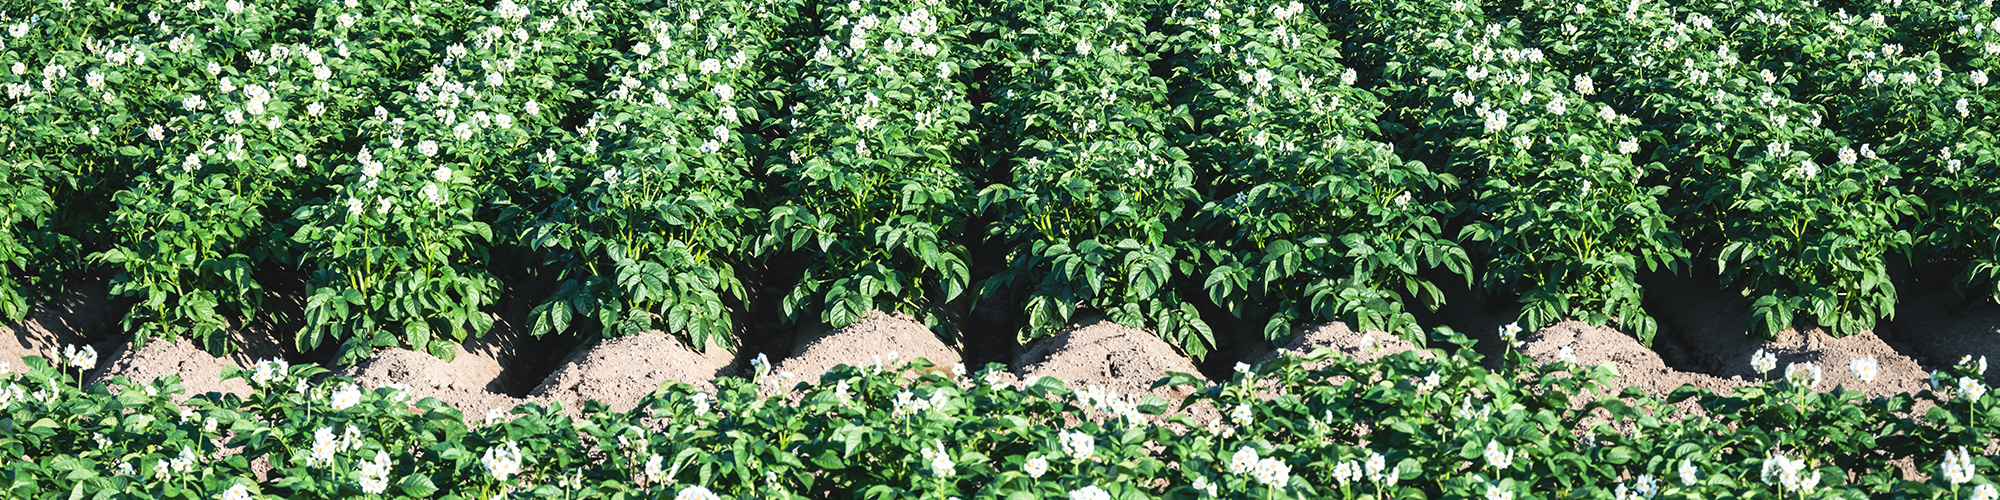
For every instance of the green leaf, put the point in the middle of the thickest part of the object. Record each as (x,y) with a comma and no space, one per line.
(417,485)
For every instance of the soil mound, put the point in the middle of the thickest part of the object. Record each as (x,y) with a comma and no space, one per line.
(199,372)
(1637,366)
(1100,353)
(1704,329)
(878,336)
(623,370)
(1342,339)
(466,382)
(481,376)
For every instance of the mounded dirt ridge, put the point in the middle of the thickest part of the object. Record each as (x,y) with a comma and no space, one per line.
(1701,343)
(623,370)
(878,338)
(1100,353)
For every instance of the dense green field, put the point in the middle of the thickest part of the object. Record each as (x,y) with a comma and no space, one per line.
(1163,162)
(1151,160)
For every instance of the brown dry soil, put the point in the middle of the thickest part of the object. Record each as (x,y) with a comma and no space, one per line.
(1701,342)
(878,338)
(1104,354)
(623,370)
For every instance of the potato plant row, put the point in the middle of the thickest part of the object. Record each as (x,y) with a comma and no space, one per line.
(1410,425)
(1163,162)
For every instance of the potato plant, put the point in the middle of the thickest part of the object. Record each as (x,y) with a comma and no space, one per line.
(1324,221)
(649,196)
(1561,208)
(238,111)
(871,161)
(396,245)
(1096,183)
(1803,218)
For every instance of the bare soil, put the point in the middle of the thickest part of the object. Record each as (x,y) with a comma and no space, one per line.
(1701,343)
(1637,366)
(464,382)
(1342,339)
(1097,352)
(623,370)
(1703,330)
(83,313)
(199,372)
(1934,329)
(878,336)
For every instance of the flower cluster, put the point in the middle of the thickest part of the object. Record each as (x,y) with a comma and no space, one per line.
(1788,473)
(1957,467)
(502,461)
(373,475)
(938,459)
(1078,445)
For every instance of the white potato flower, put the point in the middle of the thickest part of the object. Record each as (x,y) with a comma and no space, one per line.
(1271,471)
(237,492)
(1035,467)
(1806,373)
(1971,389)
(1241,414)
(696,493)
(1958,467)
(1584,85)
(427,147)
(1497,456)
(431,192)
(1203,485)
(345,397)
(503,461)
(1079,445)
(1243,460)
(1647,486)
(1864,368)
(373,475)
(1763,361)
(80,357)
(1089,493)
(1985,492)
